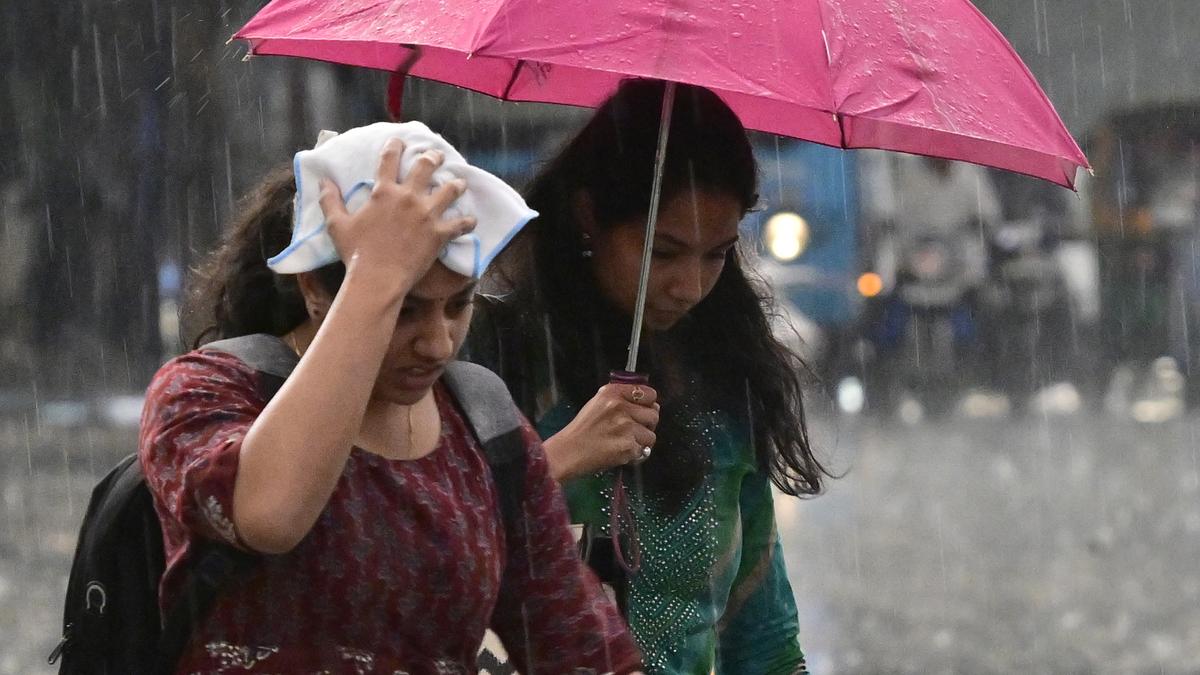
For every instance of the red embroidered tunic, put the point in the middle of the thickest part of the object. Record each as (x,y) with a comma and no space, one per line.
(403,571)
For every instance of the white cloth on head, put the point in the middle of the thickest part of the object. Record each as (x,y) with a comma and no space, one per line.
(351,160)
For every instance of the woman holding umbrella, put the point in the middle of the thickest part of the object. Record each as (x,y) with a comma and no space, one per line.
(724,420)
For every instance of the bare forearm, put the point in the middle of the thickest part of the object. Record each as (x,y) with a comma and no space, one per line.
(296,450)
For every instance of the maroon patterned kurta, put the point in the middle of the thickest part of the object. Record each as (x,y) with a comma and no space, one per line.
(403,571)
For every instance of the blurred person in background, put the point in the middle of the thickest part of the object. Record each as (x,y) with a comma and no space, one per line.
(928,223)
(1146,214)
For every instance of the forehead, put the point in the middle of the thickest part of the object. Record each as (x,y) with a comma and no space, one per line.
(440,283)
(698,218)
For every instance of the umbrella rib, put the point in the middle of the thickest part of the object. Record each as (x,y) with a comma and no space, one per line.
(834,104)
(485,26)
(922,68)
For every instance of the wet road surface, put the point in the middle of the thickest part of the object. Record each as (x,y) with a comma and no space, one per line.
(1048,545)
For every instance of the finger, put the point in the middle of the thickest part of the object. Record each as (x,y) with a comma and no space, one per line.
(614,392)
(456,227)
(421,173)
(445,195)
(389,162)
(646,417)
(331,201)
(644,437)
(636,455)
(640,394)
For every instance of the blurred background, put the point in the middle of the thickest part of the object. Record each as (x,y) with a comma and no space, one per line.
(1008,372)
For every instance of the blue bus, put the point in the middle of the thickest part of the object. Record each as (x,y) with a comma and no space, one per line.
(807,233)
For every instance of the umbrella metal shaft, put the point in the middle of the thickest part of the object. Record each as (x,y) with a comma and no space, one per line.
(639,307)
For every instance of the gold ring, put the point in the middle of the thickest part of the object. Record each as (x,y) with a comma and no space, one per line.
(638,394)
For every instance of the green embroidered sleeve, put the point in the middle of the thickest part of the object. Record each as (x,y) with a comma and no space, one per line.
(758,631)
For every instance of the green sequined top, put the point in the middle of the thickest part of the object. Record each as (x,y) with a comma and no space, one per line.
(712,593)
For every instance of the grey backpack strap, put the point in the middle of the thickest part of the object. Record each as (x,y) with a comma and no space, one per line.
(267,354)
(496,423)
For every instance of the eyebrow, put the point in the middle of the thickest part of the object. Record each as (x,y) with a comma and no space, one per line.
(468,290)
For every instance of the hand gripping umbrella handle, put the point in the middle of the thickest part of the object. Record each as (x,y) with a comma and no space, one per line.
(620,512)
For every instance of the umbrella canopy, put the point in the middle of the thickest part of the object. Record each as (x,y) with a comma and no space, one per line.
(931,77)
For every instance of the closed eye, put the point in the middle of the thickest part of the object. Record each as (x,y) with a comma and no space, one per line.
(724,249)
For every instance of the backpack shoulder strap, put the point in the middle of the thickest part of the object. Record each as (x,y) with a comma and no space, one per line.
(267,354)
(496,423)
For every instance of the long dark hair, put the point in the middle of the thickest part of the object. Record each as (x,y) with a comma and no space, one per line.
(233,292)
(726,339)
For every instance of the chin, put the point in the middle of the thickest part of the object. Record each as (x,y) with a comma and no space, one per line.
(398,396)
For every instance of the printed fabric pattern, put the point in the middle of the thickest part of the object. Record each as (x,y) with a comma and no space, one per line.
(403,571)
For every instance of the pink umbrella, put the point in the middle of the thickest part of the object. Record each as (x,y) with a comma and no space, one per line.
(930,77)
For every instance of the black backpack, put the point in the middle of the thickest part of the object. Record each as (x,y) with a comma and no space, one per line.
(111,620)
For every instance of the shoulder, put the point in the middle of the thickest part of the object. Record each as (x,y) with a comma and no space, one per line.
(201,373)
(198,391)
(201,364)
(483,397)
(261,352)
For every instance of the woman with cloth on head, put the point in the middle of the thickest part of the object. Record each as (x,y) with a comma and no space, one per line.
(359,488)
(724,418)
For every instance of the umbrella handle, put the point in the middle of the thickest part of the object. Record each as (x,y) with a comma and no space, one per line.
(626,377)
(619,510)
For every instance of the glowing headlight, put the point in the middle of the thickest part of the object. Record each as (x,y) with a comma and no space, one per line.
(870,285)
(786,235)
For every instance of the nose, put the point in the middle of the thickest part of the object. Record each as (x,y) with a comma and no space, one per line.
(434,341)
(686,285)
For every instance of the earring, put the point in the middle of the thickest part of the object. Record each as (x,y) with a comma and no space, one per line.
(587,251)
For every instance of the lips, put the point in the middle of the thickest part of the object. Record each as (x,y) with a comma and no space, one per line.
(665,316)
(419,378)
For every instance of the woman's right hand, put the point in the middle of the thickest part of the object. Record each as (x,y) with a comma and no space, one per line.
(609,431)
(400,231)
